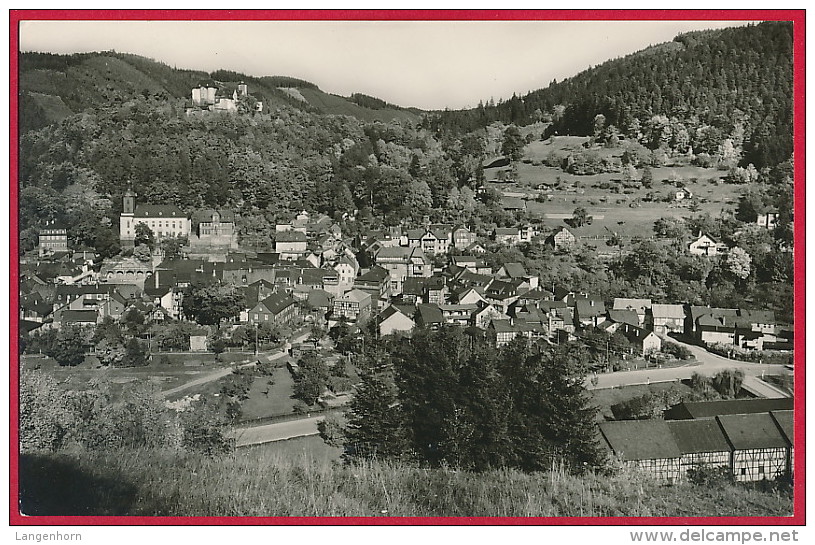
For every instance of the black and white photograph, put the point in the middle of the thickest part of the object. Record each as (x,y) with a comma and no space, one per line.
(379,267)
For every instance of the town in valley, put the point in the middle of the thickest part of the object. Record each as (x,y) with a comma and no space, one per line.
(214,263)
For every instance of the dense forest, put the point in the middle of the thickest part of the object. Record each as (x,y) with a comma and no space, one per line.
(709,82)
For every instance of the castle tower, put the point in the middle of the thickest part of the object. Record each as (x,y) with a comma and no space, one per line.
(243,90)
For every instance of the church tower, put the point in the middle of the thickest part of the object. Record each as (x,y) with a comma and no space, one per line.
(127,223)
(128,203)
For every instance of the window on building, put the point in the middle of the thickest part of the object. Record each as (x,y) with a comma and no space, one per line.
(744,471)
(761,470)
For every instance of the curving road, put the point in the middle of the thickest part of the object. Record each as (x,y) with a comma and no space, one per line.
(220,373)
(706,364)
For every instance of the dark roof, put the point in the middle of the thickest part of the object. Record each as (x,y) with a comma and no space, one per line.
(627,316)
(502,326)
(413,285)
(290,236)
(319,299)
(277,302)
(752,431)
(696,436)
(696,312)
(641,439)
(205,216)
(514,270)
(588,308)
(158,211)
(376,274)
(707,409)
(430,314)
(392,310)
(784,420)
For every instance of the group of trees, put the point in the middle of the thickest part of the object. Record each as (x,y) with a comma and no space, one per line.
(725,384)
(447,397)
(676,96)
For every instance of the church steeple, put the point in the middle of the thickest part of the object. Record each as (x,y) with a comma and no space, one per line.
(129,203)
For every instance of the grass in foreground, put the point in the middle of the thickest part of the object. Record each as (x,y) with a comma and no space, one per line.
(294,481)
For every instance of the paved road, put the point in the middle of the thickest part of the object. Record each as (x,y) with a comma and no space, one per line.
(278,431)
(707,364)
(759,388)
(220,373)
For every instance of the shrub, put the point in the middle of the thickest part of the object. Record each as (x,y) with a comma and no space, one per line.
(677,350)
(710,476)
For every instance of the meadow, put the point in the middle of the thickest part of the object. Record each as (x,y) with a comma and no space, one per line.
(304,477)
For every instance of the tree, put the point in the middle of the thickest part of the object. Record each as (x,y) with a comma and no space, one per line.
(513,144)
(142,253)
(312,378)
(738,263)
(135,354)
(580,217)
(172,246)
(553,418)
(210,304)
(375,427)
(144,235)
(69,348)
(647,179)
(728,382)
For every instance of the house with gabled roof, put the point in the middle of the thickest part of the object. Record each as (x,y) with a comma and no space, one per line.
(760,449)
(375,282)
(393,320)
(277,309)
(642,341)
(164,220)
(462,237)
(640,306)
(354,305)
(291,245)
(429,316)
(702,443)
(562,239)
(481,317)
(589,311)
(648,445)
(507,235)
(664,319)
(402,263)
(707,246)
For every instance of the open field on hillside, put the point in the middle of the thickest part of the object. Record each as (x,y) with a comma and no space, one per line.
(625,212)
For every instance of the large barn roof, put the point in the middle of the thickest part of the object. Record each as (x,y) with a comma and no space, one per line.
(640,439)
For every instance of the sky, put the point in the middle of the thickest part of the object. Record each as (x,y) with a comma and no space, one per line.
(426,64)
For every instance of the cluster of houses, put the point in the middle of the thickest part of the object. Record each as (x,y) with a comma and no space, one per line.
(402,278)
(752,438)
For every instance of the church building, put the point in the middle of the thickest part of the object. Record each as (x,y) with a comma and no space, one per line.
(165,220)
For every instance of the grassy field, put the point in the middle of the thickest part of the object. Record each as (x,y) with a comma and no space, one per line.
(612,210)
(270,400)
(295,480)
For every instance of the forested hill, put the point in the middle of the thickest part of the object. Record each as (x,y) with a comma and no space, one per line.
(714,79)
(52,87)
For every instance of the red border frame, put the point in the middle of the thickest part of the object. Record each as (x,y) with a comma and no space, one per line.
(798,18)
